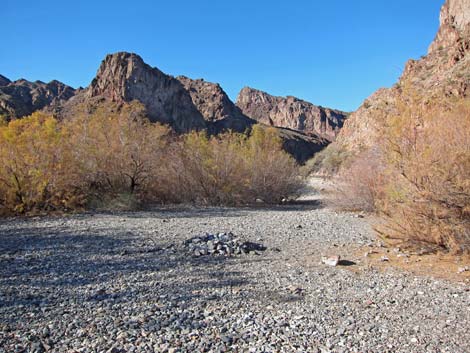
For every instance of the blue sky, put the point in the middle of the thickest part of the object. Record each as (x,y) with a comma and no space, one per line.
(333,53)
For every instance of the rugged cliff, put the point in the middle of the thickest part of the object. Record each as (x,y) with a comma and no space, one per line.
(124,77)
(217,109)
(22,97)
(290,112)
(443,72)
(4,81)
(454,25)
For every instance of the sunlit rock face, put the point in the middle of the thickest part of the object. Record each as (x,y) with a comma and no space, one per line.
(443,72)
(290,112)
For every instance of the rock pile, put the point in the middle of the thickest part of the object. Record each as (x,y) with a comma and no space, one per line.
(226,244)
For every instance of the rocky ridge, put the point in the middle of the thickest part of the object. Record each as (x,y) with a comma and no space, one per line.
(454,24)
(124,77)
(443,72)
(290,112)
(181,102)
(22,97)
(4,81)
(215,106)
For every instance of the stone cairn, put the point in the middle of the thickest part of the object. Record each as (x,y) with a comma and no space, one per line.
(225,244)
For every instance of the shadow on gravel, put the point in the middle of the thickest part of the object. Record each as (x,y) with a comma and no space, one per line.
(39,266)
(166,212)
(346,263)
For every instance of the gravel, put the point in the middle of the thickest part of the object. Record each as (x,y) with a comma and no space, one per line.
(125,282)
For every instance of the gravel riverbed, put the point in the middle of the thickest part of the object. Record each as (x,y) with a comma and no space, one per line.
(125,282)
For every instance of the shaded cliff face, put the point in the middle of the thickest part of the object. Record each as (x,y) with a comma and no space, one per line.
(22,97)
(302,147)
(4,81)
(217,109)
(290,112)
(443,72)
(123,77)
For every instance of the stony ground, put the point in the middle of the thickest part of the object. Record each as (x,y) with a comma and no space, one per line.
(126,283)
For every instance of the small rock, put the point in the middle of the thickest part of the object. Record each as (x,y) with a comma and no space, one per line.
(295,290)
(226,339)
(331,261)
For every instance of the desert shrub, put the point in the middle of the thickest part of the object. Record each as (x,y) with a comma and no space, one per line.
(112,157)
(230,169)
(418,179)
(272,173)
(207,170)
(328,161)
(3,120)
(360,186)
(35,169)
(427,198)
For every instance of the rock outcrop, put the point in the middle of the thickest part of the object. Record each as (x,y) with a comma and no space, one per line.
(443,72)
(22,97)
(4,81)
(181,102)
(124,77)
(454,25)
(302,147)
(290,112)
(217,109)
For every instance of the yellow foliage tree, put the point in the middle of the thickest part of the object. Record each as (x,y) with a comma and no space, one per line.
(33,169)
(117,149)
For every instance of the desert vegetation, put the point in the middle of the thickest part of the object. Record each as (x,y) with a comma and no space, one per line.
(113,156)
(328,161)
(417,177)
(426,195)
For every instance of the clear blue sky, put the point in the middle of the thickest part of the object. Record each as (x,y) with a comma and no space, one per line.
(333,53)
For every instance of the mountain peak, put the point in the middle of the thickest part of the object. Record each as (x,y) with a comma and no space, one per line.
(4,81)
(454,24)
(124,77)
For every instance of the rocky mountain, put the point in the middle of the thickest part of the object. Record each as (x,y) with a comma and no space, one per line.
(183,103)
(454,25)
(215,106)
(290,112)
(124,77)
(4,81)
(22,97)
(443,72)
